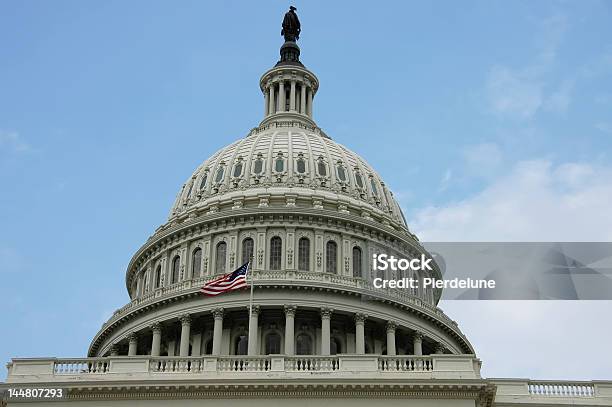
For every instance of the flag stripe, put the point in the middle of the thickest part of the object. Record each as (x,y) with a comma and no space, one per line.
(227,282)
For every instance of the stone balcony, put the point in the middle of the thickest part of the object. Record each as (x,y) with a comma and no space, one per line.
(293,278)
(399,375)
(52,370)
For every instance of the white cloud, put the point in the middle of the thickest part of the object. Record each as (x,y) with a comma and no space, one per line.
(482,160)
(536,339)
(12,142)
(446,178)
(513,93)
(535,201)
(520,93)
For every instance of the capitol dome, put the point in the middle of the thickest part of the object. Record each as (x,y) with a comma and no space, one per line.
(289,165)
(307,214)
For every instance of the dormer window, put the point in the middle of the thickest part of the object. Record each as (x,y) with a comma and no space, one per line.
(341,172)
(258,166)
(237,169)
(321,167)
(300,165)
(220,173)
(190,189)
(203,182)
(279,164)
(373,184)
(359,180)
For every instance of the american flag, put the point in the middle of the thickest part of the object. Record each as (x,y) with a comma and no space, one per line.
(227,282)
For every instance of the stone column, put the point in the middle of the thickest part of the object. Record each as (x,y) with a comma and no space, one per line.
(292,97)
(156,343)
(253,331)
(303,99)
(418,343)
(133,344)
(360,333)
(114,350)
(309,103)
(271,108)
(391,326)
(326,314)
(281,96)
(185,334)
(440,348)
(217,331)
(266,103)
(290,329)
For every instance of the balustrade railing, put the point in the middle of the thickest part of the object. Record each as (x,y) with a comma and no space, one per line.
(310,364)
(559,389)
(405,364)
(244,364)
(81,366)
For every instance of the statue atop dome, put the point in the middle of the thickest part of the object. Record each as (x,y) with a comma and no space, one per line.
(291,26)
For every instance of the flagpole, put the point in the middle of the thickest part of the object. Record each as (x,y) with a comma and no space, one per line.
(251,297)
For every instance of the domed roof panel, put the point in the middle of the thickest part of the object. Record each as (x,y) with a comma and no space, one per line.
(277,159)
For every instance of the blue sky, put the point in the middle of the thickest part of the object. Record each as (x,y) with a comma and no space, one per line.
(490,120)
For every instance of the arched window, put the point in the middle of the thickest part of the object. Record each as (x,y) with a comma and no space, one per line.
(335,347)
(341,173)
(237,169)
(359,180)
(258,166)
(158,276)
(322,168)
(220,257)
(203,182)
(220,173)
(300,166)
(276,246)
(190,190)
(242,345)
(331,260)
(273,344)
(247,249)
(279,164)
(304,254)
(303,345)
(146,283)
(196,262)
(176,268)
(374,189)
(357,262)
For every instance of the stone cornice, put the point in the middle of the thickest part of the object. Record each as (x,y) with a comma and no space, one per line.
(189,388)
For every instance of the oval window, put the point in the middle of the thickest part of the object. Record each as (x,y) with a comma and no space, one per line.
(258,168)
(301,166)
(341,173)
(322,169)
(219,176)
(359,180)
(238,169)
(203,182)
(279,166)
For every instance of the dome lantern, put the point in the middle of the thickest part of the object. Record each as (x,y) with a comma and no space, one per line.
(289,87)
